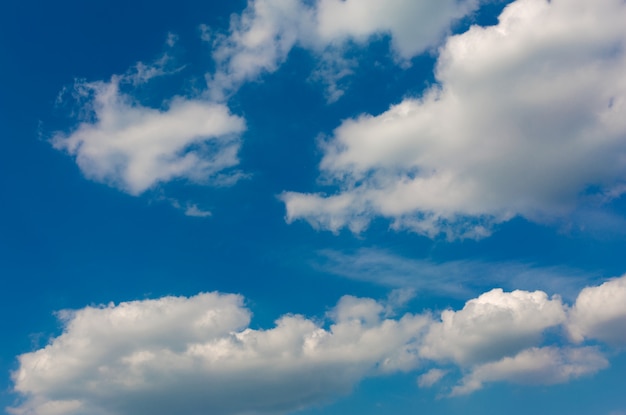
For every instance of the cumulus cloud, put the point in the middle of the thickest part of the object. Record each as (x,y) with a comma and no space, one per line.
(525,120)
(200,354)
(600,313)
(132,147)
(535,366)
(494,325)
(261,37)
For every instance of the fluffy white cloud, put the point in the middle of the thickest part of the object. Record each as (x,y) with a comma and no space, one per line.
(198,355)
(132,147)
(600,313)
(259,40)
(494,325)
(413,25)
(535,366)
(261,37)
(526,119)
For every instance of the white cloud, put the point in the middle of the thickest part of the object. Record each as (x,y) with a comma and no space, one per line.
(526,118)
(259,40)
(194,211)
(198,355)
(600,313)
(133,147)
(430,378)
(494,325)
(535,366)
(261,37)
(414,26)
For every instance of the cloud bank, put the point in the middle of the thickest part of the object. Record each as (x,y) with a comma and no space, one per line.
(526,120)
(199,354)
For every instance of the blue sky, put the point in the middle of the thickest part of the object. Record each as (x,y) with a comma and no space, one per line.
(316,207)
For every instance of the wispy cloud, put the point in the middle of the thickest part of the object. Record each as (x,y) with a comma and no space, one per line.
(460,279)
(260,38)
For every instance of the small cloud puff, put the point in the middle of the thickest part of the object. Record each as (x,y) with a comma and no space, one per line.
(127,145)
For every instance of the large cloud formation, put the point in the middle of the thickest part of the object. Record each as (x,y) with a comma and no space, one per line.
(199,354)
(526,119)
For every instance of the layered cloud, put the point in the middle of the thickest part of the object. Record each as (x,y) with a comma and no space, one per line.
(200,355)
(525,120)
(127,145)
(261,37)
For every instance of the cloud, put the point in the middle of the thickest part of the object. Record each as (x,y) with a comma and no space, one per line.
(494,325)
(132,147)
(194,211)
(525,120)
(535,366)
(430,378)
(200,354)
(600,313)
(261,37)
(459,279)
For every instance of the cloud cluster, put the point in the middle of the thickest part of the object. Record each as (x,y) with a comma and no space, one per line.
(200,355)
(127,145)
(261,37)
(526,120)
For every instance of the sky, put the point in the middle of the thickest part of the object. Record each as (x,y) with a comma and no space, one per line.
(317,207)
